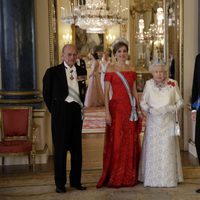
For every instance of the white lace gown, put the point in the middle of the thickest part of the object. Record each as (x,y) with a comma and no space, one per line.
(160,164)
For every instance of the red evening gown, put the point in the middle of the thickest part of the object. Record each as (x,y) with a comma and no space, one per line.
(121,149)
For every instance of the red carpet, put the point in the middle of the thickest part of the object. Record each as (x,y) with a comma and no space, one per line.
(94,121)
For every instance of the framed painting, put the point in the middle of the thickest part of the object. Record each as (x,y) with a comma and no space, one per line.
(88,42)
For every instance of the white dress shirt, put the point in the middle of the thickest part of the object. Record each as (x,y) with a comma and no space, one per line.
(71,83)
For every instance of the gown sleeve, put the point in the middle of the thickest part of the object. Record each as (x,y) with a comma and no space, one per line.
(178,103)
(144,99)
(178,97)
(134,75)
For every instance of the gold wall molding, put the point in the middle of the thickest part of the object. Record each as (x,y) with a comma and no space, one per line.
(14,93)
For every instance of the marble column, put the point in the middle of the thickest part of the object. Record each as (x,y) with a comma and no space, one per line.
(18,82)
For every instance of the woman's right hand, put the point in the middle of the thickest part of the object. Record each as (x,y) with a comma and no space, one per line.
(143,114)
(108,119)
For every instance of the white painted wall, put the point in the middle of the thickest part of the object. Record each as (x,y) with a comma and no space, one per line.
(43,55)
(190,50)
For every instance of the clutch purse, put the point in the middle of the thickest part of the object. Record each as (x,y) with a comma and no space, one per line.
(177,129)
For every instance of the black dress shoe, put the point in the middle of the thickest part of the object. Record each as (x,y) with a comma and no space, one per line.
(60,189)
(198,190)
(79,187)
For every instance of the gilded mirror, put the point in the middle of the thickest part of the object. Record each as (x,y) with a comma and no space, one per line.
(157,35)
(147,46)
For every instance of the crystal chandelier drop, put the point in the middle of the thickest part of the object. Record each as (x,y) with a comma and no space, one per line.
(140,34)
(171,7)
(95,16)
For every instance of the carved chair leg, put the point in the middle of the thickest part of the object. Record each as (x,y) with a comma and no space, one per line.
(29,159)
(33,155)
(3,161)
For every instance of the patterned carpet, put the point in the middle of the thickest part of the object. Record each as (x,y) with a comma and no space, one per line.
(94,120)
(40,186)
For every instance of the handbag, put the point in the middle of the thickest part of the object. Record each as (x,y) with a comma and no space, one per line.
(177,130)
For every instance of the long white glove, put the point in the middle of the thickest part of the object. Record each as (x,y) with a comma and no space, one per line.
(162,110)
(154,111)
(171,109)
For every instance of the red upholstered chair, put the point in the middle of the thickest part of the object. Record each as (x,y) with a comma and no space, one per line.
(17,136)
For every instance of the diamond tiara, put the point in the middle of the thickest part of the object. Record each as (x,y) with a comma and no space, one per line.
(120,39)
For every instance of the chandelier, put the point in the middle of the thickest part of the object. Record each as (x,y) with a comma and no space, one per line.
(94,16)
(155,32)
(153,38)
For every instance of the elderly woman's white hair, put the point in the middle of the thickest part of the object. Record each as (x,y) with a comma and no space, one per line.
(156,64)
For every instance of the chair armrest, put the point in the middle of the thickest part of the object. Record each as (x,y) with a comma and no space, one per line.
(34,132)
(0,129)
(41,151)
(35,129)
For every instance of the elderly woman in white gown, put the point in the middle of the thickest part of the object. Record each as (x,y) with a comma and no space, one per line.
(160,164)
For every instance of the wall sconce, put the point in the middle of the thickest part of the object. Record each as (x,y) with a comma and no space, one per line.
(67,38)
(110,38)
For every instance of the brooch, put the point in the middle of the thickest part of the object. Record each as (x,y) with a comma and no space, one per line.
(171,83)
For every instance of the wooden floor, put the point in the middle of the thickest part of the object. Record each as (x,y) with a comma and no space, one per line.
(188,160)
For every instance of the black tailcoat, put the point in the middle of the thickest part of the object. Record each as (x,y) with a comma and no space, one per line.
(66,123)
(195,98)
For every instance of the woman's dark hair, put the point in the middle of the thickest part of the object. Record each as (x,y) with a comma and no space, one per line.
(95,55)
(119,45)
(109,52)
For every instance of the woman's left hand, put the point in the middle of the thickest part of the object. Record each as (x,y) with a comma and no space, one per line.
(108,119)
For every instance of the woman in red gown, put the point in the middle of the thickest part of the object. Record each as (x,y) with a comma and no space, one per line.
(121,148)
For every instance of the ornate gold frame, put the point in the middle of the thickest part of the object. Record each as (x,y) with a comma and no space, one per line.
(88,37)
(53,32)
